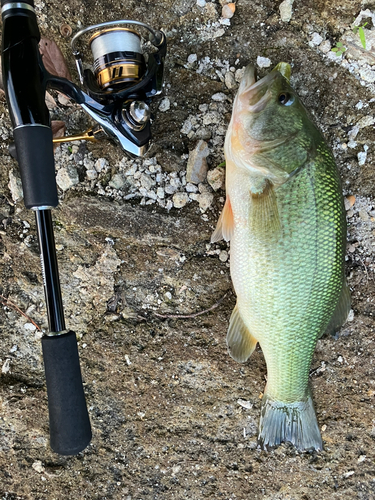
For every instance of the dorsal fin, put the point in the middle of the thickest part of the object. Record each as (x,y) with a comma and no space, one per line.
(240,342)
(225,224)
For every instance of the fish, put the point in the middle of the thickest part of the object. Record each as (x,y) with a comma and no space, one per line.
(285,219)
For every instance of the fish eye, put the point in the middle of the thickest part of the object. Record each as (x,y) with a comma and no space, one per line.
(285,99)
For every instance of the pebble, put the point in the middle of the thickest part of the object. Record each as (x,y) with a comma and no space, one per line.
(180,199)
(363,215)
(205,200)
(29,327)
(228,10)
(15,187)
(325,46)
(91,174)
(164,105)
(229,80)
(131,170)
(101,164)
(362,156)
(160,193)
(67,177)
(192,58)
(367,74)
(216,177)
(87,163)
(196,170)
(219,96)
(169,189)
(245,404)
(146,181)
(239,74)
(204,133)
(316,39)
(186,127)
(201,3)
(6,366)
(286,11)
(348,474)
(352,134)
(223,256)
(191,188)
(211,117)
(350,315)
(117,181)
(263,62)
(38,466)
(366,121)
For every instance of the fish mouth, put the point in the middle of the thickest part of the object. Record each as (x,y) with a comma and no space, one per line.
(255,92)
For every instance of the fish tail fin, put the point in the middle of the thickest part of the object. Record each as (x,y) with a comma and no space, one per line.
(289,422)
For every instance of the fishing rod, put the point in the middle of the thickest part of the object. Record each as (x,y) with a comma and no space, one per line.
(117,96)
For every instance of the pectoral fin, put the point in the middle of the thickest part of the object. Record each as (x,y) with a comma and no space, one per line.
(240,342)
(225,224)
(341,312)
(264,214)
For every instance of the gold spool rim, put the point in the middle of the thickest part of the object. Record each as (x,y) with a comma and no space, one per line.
(130,73)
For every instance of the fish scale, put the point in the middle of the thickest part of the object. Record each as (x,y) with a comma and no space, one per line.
(285,218)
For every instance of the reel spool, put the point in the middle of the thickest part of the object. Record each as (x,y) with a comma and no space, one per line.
(119,63)
(118,58)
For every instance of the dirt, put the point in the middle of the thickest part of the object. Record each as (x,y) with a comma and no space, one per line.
(173,416)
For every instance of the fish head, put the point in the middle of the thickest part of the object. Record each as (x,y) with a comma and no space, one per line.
(270,133)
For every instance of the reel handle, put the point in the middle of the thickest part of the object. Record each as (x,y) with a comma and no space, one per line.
(70,430)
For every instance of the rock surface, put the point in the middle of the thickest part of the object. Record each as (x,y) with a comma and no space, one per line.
(173,416)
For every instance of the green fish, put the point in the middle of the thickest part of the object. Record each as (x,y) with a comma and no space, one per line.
(284,216)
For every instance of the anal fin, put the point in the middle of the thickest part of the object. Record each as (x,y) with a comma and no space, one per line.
(341,312)
(225,224)
(240,342)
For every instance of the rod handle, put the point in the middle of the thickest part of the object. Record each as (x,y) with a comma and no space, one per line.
(70,429)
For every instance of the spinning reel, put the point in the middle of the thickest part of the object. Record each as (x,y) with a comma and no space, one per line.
(127,73)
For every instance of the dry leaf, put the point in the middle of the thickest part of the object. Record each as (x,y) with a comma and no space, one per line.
(53,58)
(50,101)
(63,99)
(58,128)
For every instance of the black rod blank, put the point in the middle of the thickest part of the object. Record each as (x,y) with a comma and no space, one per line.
(50,271)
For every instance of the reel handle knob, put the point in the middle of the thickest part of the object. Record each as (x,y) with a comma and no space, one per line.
(136,115)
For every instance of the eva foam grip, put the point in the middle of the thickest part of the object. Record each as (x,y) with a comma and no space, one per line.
(70,429)
(37,165)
